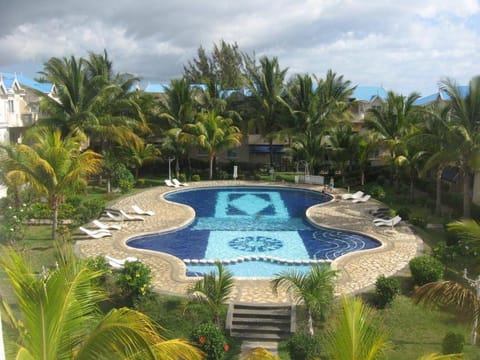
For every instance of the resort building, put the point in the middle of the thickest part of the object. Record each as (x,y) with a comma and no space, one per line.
(20,105)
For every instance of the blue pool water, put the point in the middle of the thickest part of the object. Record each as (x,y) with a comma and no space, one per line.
(255,231)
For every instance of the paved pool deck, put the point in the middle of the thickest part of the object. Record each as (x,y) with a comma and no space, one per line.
(356,271)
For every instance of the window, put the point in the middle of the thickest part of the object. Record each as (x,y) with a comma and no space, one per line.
(10,106)
(232,153)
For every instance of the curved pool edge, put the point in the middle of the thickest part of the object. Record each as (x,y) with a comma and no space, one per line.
(358,270)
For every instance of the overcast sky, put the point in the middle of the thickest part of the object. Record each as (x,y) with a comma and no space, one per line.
(402,45)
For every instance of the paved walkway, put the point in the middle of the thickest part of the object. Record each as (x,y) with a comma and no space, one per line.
(357,271)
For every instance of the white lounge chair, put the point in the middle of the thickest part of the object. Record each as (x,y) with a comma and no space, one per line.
(114,217)
(140,211)
(362,199)
(178,183)
(169,182)
(103,226)
(131,217)
(356,195)
(119,263)
(96,234)
(389,222)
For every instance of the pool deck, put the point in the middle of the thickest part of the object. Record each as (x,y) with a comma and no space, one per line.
(357,271)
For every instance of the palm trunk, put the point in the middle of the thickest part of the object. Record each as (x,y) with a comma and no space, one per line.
(310,323)
(438,195)
(362,177)
(211,166)
(55,220)
(466,195)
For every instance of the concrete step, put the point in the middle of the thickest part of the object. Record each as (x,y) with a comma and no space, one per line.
(260,322)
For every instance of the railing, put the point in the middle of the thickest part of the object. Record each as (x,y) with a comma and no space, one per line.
(310,179)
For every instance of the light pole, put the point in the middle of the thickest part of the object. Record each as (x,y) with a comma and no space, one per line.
(475,283)
(170,167)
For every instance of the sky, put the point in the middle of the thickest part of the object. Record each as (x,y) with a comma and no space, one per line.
(402,45)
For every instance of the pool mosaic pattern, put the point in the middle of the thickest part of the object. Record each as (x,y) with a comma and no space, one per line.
(356,271)
(252,224)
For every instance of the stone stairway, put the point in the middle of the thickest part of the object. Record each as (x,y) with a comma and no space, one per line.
(260,322)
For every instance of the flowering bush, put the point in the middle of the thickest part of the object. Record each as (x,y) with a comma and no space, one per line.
(210,340)
(14,223)
(135,280)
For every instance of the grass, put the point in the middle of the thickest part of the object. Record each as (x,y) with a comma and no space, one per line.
(414,330)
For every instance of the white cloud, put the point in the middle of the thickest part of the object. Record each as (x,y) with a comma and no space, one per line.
(404,45)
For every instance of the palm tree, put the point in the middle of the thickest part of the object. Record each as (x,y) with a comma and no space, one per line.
(266,85)
(451,293)
(411,159)
(137,154)
(53,165)
(314,289)
(435,137)
(356,334)
(178,109)
(393,121)
(214,290)
(214,134)
(58,317)
(464,114)
(344,143)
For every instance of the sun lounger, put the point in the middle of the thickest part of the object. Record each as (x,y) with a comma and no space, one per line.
(140,211)
(390,222)
(178,183)
(170,183)
(96,234)
(131,217)
(114,217)
(119,263)
(356,195)
(103,226)
(362,199)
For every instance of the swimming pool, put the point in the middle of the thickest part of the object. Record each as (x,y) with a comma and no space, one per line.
(256,231)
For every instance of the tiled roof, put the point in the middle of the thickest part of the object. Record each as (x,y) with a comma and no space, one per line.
(8,80)
(425,100)
(156,88)
(369,93)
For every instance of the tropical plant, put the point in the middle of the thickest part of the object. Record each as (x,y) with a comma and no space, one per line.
(59,317)
(436,140)
(451,293)
(468,231)
(425,269)
(178,109)
(211,340)
(357,333)
(464,113)
(138,153)
(314,289)
(304,347)
(266,85)
(386,289)
(393,121)
(53,165)
(214,134)
(344,143)
(259,353)
(214,290)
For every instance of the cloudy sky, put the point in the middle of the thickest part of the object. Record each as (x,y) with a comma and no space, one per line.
(402,45)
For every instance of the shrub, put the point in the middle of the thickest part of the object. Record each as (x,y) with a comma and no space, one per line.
(135,280)
(420,221)
(182,177)
(195,177)
(303,347)
(404,213)
(89,209)
(386,289)
(210,340)
(453,343)
(123,178)
(376,191)
(40,211)
(13,223)
(425,269)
